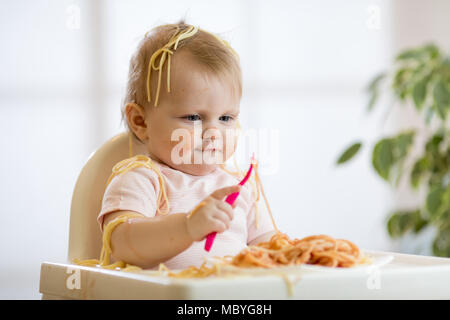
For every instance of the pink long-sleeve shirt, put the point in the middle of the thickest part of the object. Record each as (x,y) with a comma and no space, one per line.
(137,190)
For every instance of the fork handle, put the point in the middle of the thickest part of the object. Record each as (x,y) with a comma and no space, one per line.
(210,237)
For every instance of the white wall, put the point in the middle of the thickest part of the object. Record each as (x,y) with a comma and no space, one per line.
(305,65)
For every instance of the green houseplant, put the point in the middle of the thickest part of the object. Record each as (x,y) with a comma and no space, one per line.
(420,76)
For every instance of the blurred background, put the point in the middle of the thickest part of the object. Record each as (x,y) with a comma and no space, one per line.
(305,66)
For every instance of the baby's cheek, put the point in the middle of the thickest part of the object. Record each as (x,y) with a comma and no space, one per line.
(182,142)
(187,143)
(190,140)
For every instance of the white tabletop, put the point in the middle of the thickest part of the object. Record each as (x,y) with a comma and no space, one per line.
(405,277)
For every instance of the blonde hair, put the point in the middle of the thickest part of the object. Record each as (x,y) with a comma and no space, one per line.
(206,48)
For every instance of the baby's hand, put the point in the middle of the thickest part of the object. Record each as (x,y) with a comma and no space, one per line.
(211,214)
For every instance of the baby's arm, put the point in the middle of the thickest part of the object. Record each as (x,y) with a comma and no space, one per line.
(146,242)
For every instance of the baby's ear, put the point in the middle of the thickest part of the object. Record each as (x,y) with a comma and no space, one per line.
(136,120)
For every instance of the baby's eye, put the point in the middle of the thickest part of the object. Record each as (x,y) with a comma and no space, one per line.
(192,117)
(226,118)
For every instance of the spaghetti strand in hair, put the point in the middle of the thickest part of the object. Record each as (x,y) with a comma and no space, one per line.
(166,52)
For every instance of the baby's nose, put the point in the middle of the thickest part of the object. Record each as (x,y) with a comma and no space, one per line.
(212,138)
(212,134)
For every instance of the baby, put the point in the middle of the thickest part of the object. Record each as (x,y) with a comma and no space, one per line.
(183,82)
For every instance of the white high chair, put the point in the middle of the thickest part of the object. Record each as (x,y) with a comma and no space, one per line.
(85,238)
(406,277)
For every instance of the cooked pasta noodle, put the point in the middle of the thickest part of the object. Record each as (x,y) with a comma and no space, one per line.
(142,161)
(280,251)
(121,168)
(104,261)
(166,52)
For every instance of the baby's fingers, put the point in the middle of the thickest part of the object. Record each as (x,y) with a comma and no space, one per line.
(226,208)
(219,194)
(222,218)
(220,226)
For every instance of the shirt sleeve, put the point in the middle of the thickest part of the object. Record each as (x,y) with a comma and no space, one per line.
(260,225)
(135,190)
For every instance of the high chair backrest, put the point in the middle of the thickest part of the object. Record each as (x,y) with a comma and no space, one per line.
(85,237)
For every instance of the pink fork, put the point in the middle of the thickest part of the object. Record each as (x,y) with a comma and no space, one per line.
(230,199)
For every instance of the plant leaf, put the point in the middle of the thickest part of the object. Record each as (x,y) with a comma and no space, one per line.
(402,144)
(373,87)
(432,145)
(441,97)
(401,222)
(375,82)
(441,244)
(410,54)
(382,158)
(393,226)
(420,167)
(429,114)
(349,153)
(434,202)
(419,92)
(430,51)
(446,62)
(401,81)
(372,100)
(419,222)
(444,219)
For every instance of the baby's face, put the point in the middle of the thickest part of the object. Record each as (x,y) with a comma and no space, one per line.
(193,128)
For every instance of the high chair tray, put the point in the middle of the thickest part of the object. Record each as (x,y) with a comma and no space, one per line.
(403,277)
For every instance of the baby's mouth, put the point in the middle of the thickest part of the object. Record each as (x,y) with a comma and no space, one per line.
(209,150)
(211,147)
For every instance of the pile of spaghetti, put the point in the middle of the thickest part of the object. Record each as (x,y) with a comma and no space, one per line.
(281,251)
